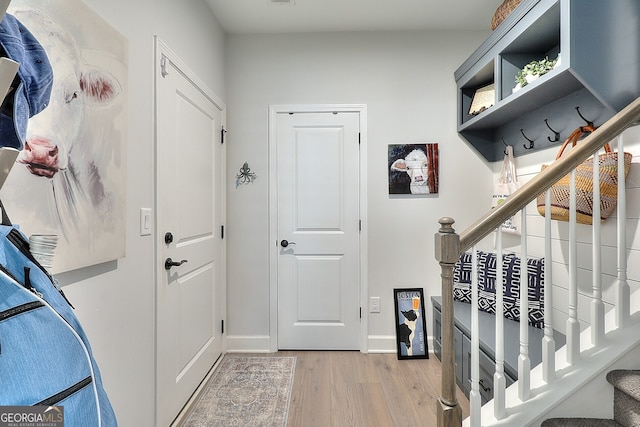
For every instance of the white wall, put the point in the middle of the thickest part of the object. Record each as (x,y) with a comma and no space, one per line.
(406,81)
(115,301)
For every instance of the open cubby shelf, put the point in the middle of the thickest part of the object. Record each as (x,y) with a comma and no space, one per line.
(596,77)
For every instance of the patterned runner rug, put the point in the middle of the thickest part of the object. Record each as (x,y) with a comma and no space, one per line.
(245,391)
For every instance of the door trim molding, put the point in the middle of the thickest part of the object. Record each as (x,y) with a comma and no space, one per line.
(274,110)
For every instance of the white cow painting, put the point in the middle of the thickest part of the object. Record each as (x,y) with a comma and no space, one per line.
(69,179)
(413,168)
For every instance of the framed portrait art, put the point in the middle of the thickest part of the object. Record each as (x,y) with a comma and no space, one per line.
(413,168)
(411,325)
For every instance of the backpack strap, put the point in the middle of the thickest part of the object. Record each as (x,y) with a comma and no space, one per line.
(5,218)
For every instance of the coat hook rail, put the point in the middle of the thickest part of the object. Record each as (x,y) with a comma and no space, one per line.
(530,147)
(588,122)
(556,134)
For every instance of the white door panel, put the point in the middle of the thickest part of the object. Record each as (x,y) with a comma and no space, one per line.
(318,213)
(189,201)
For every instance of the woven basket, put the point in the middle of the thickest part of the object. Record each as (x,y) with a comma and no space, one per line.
(561,190)
(503,11)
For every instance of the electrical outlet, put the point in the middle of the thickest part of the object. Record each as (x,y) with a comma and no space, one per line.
(374,305)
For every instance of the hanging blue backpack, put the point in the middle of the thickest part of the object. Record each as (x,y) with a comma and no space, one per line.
(45,356)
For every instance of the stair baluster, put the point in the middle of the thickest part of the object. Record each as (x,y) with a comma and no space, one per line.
(548,342)
(573,324)
(475,399)
(499,379)
(597,306)
(623,293)
(524,362)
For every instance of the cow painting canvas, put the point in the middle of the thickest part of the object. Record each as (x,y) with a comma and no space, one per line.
(69,179)
(411,325)
(413,168)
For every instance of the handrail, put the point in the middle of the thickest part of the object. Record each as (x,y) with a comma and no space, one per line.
(545,179)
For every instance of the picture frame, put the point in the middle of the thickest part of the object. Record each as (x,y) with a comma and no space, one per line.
(411,324)
(483,99)
(413,169)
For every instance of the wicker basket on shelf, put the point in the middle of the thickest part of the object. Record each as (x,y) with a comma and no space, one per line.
(503,11)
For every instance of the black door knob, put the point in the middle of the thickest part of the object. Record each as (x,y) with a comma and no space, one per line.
(285,243)
(168,237)
(168,263)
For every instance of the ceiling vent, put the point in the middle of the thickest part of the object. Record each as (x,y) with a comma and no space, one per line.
(291,2)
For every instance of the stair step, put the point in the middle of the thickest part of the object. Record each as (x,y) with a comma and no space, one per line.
(579,422)
(627,381)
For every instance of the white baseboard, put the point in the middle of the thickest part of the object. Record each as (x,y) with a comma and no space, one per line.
(262,343)
(248,343)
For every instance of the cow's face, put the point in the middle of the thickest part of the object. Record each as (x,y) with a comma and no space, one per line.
(415,165)
(53,133)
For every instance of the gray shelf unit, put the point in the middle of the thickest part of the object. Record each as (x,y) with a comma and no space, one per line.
(599,72)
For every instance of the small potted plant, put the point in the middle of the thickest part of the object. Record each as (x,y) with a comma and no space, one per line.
(534,70)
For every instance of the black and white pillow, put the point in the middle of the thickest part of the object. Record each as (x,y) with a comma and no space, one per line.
(462,278)
(535,290)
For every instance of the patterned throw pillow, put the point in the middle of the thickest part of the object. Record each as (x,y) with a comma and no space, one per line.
(487,281)
(535,267)
(462,278)
(511,273)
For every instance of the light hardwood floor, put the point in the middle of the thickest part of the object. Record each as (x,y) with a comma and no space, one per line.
(349,388)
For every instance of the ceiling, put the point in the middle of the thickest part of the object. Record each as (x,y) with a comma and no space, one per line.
(299,16)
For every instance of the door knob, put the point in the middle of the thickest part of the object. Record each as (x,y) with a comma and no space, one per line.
(168,263)
(168,237)
(285,243)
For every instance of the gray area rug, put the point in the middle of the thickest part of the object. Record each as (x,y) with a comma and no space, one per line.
(245,391)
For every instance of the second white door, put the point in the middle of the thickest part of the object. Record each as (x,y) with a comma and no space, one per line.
(318,230)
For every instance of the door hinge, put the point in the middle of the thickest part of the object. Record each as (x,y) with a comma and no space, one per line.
(222,232)
(163,66)
(361,312)
(359,225)
(222,327)
(222,132)
(358,138)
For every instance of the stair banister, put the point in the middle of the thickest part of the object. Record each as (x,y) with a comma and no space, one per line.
(449,245)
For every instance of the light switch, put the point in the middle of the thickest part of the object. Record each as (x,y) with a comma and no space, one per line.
(374,305)
(145,221)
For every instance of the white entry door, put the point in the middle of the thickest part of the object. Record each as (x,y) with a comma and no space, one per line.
(318,230)
(189,248)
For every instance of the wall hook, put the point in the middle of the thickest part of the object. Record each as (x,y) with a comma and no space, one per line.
(505,146)
(556,134)
(530,141)
(590,123)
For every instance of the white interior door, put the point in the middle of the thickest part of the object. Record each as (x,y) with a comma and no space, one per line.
(189,208)
(318,230)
